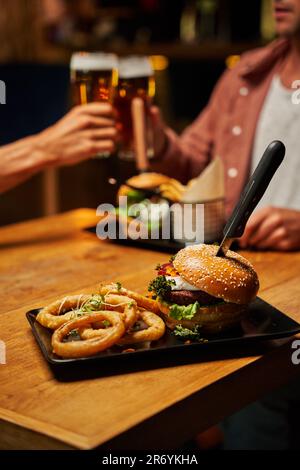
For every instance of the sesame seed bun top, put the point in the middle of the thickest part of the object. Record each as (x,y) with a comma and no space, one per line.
(231,278)
(147,180)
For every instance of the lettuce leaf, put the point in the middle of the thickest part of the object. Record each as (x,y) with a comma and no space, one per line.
(135,196)
(184,312)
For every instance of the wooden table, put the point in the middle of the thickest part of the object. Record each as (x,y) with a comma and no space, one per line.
(153,408)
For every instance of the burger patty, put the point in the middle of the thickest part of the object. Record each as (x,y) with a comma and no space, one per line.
(187,297)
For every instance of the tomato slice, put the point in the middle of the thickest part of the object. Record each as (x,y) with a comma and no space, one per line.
(167,269)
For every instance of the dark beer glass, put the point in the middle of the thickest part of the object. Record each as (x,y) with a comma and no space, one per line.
(136,79)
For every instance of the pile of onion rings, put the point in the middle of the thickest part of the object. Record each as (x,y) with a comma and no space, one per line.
(85,325)
(142,301)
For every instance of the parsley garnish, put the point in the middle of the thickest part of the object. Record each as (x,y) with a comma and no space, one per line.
(187,333)
(93,304)
(72,334)
(160,286)
(119,286)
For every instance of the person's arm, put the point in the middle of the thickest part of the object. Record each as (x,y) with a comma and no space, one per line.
(81,134)
(185,156)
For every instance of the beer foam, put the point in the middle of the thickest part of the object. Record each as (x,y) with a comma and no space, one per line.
(93,61)
(135,66)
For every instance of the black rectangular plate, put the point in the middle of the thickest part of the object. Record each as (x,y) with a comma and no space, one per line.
(262,322)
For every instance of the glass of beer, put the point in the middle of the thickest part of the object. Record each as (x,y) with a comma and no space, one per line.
(136,79)
(94,77)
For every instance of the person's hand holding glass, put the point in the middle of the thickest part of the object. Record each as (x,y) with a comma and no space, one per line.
(94,78)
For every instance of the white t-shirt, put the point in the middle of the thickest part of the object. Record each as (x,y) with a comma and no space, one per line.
(280,120)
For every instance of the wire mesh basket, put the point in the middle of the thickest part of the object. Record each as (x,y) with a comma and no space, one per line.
(204,220)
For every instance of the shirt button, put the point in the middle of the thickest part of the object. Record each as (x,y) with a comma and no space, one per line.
(244,91)
(236,130)
(232,172)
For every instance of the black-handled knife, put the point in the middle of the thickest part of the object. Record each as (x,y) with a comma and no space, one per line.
(252,194)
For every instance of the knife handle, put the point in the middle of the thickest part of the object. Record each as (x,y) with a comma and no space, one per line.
(255,189)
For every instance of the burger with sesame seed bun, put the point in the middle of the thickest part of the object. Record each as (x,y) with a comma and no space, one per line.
(198,291)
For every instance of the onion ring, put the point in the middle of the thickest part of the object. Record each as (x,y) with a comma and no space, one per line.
(141,300)
(88,347)
(53,316)
(156,329)
(123,304)
(113,302)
